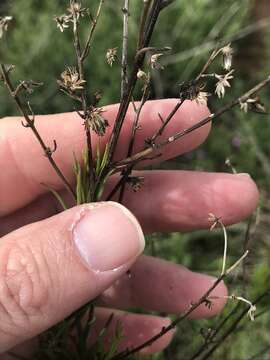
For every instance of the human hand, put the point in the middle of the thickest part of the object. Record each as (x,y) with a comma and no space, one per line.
(51,263)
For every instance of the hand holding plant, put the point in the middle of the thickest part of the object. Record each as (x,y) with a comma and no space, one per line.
(63,267)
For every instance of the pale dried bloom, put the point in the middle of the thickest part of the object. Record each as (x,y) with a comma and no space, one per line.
(202,98)
(244,106)
(96,121)
(63,21)
(252,308)
(227,53)
(4,22)
(251,312)
(141,75)
(230,165)
(223,82)
(111,56)
(135,182)
(77,10)
(214,220)
(154,61)
(253,104)
(71,80)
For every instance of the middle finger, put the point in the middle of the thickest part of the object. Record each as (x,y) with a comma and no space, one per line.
(168,201)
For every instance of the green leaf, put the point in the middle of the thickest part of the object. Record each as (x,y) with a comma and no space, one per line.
(57,196)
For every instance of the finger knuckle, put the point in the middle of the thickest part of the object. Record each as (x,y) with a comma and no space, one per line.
(24,291)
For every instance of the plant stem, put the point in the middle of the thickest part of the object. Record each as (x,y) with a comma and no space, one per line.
(124,74)
(80,65)
(159,132)
(132,139)
(146,6)
(92,31)
(31,124)
(211,338)
(233,326)
(152,19)
(150,149)
(166,329)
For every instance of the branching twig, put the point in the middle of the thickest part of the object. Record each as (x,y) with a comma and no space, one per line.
(149,28)
(214,333)
(31,124)
(92,31)
(80,63)
(234,325)
(135,128)
(150,149)
(164,330)
(205,299)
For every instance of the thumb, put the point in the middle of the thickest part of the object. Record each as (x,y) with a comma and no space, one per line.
(50,268)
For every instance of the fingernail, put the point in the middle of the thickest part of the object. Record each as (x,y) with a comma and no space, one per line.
(244,175)
(108,236)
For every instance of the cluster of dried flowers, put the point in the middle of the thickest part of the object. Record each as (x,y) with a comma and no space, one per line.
(75,8)
(96,168)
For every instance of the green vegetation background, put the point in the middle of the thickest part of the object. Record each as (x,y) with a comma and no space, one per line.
(40,52)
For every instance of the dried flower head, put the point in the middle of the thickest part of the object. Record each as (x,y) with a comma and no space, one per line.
(252,104)
(63,21)
(212,218)
(202,98)
(252,308)
(71,80)
(111,55)
(96,121)
(27,85)
(251,312)
(4,22)
(135,182)
(154,62)
(76,9)
(141,75)
(223,82)
(227,52)
(193,90)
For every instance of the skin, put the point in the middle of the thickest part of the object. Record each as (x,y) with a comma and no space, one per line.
(33,231)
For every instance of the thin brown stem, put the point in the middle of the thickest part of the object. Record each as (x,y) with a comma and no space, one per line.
(77,45)
(146,6)
(124,65)
(234,326)
(173,324)
(80,65)
(159,132)
(150,149)
(31,124)
(135,128)
(152,19)
(88,44)
(210,60)
(213,335)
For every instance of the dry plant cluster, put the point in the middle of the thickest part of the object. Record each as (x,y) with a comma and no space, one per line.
(95,168)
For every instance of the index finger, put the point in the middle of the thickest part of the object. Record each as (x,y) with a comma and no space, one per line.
(26,167)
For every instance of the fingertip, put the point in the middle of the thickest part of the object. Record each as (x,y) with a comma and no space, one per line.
(240,197)
(250,192)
